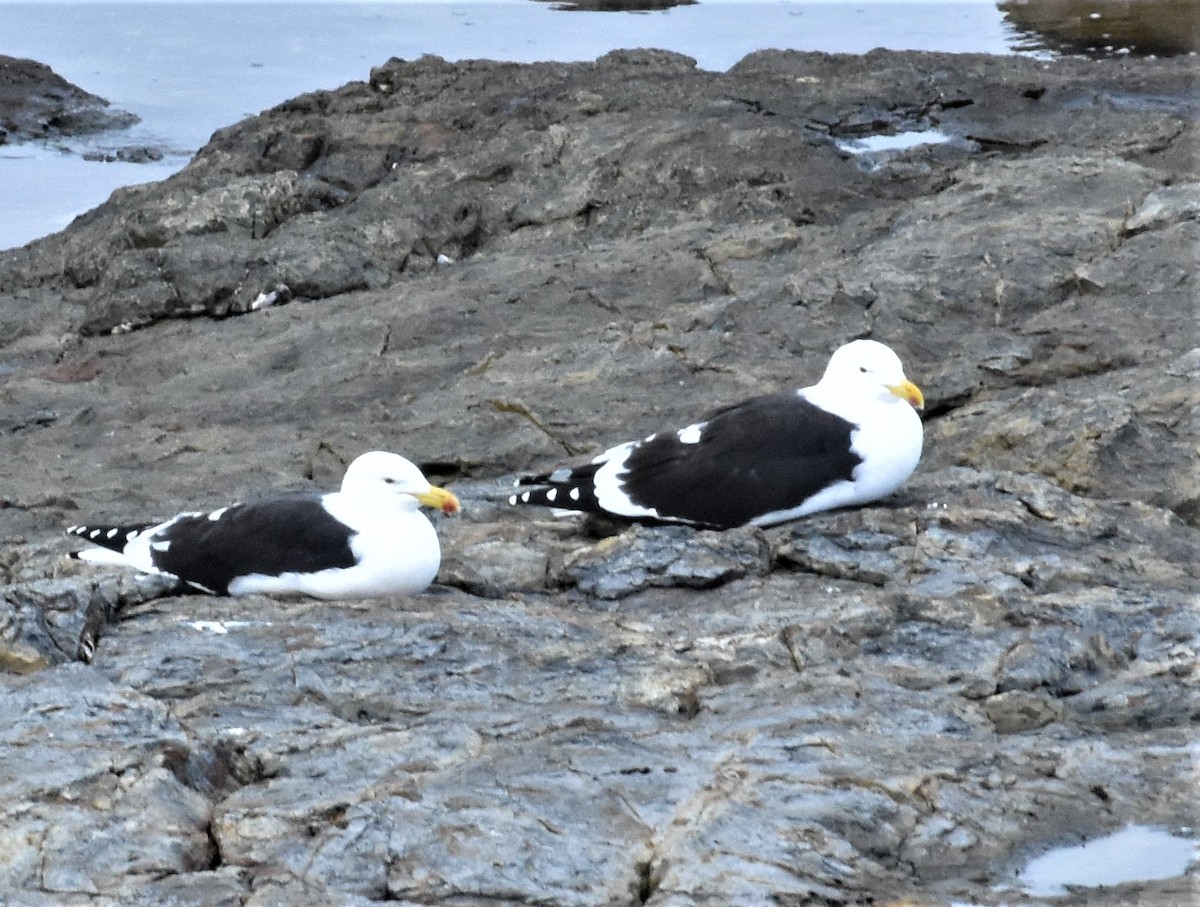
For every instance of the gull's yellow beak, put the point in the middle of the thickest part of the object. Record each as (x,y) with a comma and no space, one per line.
(910,392)
(439,499)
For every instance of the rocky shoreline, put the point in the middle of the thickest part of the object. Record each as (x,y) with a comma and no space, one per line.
(489,267)
(37,103)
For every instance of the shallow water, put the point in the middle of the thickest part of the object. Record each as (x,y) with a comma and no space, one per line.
(900,141)
(43,188)
(1134,854)
(1106,27)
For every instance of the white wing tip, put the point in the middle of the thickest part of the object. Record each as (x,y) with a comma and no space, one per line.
(102,556)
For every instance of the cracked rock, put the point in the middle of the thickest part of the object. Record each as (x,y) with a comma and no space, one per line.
(901,703)
(642,558)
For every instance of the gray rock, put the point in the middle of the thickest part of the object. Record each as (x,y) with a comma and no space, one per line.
(1015,710)
(110,804)
(37,103)
(1166,206)
(673,556)
(900,703)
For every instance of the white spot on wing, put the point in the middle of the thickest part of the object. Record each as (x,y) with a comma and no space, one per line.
(512,499)
(620,452)
(217,514)
(552,494)
(691,434)
(574,494)
(525,497)
(93,533)
(160,546)
(111,534)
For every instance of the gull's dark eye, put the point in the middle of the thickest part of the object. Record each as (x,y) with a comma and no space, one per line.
(389,480)
(863,369)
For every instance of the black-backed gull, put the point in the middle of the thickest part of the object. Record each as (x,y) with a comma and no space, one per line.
(851,438)
(367,540)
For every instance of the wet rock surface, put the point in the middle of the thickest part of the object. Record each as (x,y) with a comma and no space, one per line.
(491,268)
(37,103)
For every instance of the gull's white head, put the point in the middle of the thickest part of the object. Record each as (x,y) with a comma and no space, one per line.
(874,368)
(381,476)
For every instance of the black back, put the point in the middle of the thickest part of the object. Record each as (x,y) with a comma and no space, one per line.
(759,456)
(292,534)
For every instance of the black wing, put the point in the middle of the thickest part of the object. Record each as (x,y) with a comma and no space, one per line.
(760,456)
(293,534)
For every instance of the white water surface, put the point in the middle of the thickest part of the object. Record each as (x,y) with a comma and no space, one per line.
(900,141)
(190,67)
(1134,854)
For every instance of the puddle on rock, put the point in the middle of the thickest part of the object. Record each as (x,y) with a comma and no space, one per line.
(1134,854)
(900,141)
(874,152)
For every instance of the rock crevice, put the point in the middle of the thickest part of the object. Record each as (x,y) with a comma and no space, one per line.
(488,267)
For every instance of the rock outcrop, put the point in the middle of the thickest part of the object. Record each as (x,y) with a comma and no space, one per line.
(37,103)
(489,267)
